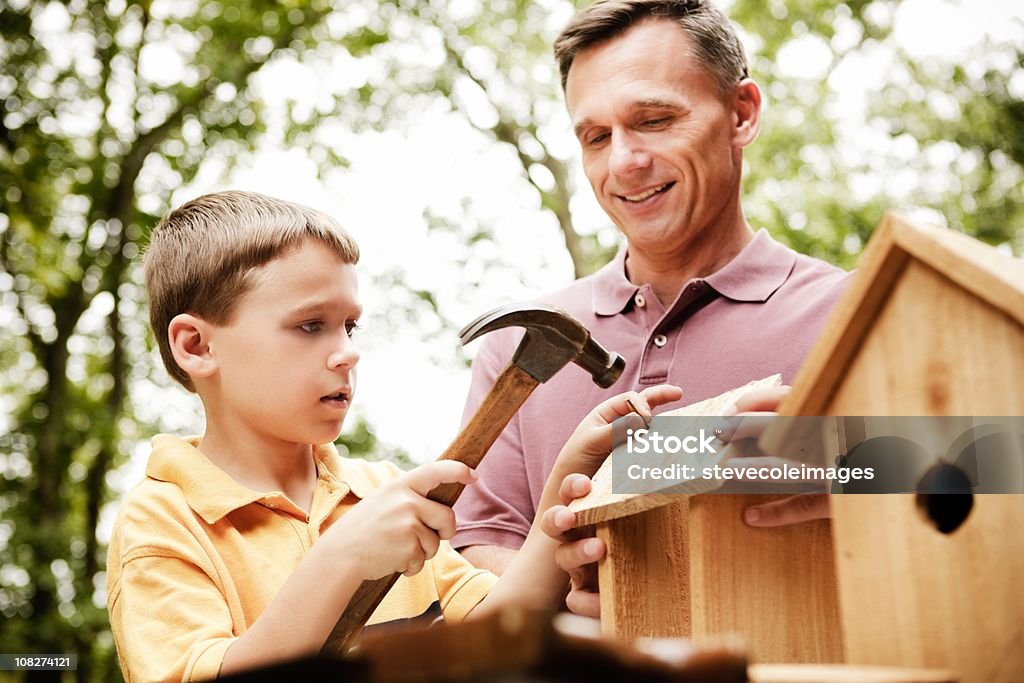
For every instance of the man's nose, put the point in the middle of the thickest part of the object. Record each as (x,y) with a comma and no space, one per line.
(627,155)
(344,355)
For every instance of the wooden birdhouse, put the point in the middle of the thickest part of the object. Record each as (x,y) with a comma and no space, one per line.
(932,325)
(687,565)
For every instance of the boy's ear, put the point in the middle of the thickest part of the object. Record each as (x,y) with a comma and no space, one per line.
(747,109)
(189,337)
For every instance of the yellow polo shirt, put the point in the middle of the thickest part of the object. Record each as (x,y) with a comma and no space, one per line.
(195,558)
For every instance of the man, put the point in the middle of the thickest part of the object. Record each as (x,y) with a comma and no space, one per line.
(662,105)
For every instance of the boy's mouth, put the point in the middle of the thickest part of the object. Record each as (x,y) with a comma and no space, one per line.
(336,398)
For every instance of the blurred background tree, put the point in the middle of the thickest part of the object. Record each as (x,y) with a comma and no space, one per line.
(107,109)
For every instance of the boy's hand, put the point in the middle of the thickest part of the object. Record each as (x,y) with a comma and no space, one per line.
(397,528)
(581,457)
(595,438)
(576,556)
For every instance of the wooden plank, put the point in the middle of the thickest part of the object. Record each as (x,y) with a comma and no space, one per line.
(843,673)
(693,568)
(910,595)
(602,504)
(987,273)
(936,350)
(644,576)
(979,269)
(776,587)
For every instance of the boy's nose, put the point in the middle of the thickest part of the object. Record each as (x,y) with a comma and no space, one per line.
(345,355)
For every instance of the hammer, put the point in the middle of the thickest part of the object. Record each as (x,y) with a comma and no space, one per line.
(553,339)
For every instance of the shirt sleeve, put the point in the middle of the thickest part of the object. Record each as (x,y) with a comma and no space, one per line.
(498,509)
(170,620)
(460,586)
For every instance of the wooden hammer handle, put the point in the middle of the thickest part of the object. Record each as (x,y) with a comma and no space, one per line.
(509,392)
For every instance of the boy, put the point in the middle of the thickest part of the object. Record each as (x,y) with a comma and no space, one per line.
(243,547)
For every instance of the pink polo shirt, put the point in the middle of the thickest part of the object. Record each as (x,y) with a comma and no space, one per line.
(756,316)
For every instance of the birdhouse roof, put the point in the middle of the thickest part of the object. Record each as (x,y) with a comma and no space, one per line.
(985,272)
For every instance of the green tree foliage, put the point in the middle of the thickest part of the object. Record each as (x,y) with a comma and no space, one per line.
(815,179)
(940,133)
(105,108)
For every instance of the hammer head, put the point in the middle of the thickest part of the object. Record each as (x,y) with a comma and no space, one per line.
(553,338)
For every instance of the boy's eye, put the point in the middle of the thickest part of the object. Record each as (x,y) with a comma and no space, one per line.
(351,327)
(312,326)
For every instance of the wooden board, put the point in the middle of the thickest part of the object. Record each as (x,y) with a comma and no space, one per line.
(980,273)
(911,595)
(933,324)
(693,568)
(601,504)
(844,673)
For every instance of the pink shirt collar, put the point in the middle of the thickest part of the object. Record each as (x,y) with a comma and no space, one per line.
(753,275)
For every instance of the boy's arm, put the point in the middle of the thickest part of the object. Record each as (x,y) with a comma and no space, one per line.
(533,579)
(397,529)
(173,622)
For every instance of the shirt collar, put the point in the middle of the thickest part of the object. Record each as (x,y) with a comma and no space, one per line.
(212,493)
(756,272)
(753,275)
(612,290)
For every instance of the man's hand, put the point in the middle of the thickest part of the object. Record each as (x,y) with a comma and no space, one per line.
(576,556)
(795,509)
(397,528)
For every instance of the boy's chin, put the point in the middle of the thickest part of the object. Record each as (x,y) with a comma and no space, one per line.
(333,433)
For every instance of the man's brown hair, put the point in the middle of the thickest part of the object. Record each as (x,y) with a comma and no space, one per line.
(201,256)
(714,38)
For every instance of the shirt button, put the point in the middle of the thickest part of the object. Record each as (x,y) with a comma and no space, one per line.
(660,340)
(640,300)
(694,288)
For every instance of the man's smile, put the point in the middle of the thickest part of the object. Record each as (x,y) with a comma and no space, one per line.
(643,195)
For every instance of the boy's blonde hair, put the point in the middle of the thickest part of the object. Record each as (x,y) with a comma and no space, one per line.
(201,256)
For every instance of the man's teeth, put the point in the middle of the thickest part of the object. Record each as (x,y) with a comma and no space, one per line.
(644,195)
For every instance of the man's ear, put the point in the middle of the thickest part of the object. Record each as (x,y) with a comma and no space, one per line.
(189,337)
(747,111)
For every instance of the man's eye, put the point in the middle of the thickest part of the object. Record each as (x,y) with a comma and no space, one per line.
(597,139)
(312,326)
(655,123)
(351,327)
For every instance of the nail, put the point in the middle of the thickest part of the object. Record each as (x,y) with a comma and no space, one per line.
(591,547)
(752,515)
(632,407)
